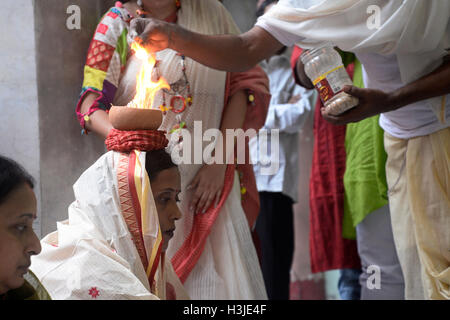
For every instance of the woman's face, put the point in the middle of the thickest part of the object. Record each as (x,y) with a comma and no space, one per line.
(166,187)
(18,242)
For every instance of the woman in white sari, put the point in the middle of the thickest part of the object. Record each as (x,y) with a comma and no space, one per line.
(113,244)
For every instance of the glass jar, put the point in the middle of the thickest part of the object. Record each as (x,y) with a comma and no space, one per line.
(324,67)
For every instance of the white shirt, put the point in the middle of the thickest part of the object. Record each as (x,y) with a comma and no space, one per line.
(415,33)
(414,120)
(383,73)
(288,118)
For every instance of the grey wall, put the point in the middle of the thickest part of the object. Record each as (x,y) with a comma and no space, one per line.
(243,12)
(60,57)
(19,130)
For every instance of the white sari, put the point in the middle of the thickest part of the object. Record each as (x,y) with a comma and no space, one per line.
(98,252)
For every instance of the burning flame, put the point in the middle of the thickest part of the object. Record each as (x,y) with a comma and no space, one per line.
(146,88)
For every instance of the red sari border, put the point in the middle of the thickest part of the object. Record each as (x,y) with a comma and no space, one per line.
(129,203)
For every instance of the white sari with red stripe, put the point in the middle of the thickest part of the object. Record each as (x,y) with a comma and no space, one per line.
(110,246)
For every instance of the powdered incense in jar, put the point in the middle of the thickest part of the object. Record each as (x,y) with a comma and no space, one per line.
(324,67)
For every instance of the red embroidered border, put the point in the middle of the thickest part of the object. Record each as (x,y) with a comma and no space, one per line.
(129,206)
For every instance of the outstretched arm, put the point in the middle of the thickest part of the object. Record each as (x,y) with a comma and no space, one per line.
(209,181)
(224,52)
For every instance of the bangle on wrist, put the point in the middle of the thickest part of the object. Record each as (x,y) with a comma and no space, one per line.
(85,118)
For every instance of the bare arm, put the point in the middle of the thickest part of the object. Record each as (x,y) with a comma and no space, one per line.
(223,52)
(209,181)
(99,120)
(435,84)
(233,117)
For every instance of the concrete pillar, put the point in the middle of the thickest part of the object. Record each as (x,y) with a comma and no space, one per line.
(243,12)
(60,57)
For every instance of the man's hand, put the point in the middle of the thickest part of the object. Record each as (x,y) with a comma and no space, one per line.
(154,34)
(207,187)
(371,102)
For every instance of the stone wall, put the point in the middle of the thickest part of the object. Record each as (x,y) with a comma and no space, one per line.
(243,12)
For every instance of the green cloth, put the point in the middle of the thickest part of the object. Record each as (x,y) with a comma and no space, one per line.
(347,57)
(122,47)
(32,289)
(365,174)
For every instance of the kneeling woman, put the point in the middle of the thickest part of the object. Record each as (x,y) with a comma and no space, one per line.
(113,244)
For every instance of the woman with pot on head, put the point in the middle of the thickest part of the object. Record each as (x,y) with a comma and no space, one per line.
(219,203)
(113,245)
(18,242)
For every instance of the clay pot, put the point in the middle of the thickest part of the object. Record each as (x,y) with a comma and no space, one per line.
(128,119)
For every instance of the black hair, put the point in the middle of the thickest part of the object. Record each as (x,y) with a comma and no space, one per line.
(12,176)
(157,161)
(263,6)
